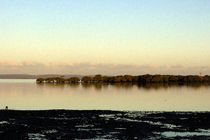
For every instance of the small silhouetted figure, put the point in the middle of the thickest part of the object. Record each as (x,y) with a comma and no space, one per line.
(6,108)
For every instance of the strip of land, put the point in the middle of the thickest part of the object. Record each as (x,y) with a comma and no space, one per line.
(29,76)
(141,79)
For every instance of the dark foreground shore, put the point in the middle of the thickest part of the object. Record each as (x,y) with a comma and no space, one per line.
(70,124)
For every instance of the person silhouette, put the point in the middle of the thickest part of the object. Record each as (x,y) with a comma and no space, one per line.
(6,108)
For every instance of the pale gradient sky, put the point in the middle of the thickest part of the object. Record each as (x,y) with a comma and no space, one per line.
(105,36)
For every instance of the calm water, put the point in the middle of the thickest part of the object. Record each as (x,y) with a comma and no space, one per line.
(26,94)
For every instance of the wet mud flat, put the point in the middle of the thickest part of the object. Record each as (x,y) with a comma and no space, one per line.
(94,124)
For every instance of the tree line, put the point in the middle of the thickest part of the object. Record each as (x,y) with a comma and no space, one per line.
(141,79)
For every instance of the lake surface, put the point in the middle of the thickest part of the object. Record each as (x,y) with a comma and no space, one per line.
(28,95)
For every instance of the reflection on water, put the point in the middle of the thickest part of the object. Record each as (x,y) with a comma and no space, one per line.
(27,94)
(99,86)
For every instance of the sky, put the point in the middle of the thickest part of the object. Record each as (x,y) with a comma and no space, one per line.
(109,37)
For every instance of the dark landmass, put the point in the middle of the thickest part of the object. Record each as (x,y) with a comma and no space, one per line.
(70,124)
(141,79)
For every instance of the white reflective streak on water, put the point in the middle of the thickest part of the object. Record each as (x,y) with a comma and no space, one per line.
(27,95)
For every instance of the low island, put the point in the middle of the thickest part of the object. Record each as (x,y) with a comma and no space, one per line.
(140,79)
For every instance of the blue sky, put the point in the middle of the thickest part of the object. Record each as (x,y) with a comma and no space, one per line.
(155,36)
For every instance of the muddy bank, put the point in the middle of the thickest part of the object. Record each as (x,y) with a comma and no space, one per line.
(69,124)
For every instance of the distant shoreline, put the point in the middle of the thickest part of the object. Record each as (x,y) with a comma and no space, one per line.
(30,76)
